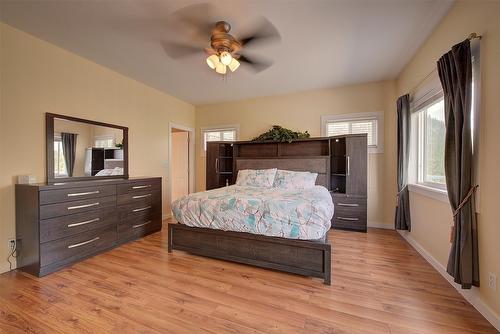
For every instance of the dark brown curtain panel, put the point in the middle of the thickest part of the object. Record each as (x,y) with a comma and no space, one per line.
(455,73)
(69,151)
(402,218)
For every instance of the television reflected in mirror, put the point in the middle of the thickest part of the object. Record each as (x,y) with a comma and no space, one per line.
(79,149)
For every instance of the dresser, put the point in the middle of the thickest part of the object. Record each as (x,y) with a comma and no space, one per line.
(62,223)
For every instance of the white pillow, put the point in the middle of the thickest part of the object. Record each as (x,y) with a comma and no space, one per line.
(256,177)
(287,179)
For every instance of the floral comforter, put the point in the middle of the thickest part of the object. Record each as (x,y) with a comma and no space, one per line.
(293,214)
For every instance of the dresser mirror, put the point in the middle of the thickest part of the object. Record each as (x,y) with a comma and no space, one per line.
(80,149)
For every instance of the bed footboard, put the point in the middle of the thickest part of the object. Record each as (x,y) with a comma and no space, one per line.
(307,258)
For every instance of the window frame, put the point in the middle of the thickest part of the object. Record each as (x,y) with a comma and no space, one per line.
(222,128)
(378,116)
(418,143)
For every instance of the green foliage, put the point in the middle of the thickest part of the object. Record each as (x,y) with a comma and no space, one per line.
(281,134)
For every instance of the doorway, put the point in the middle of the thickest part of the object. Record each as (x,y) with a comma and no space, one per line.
(181,161)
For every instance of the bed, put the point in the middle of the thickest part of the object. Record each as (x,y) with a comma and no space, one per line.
(281,229)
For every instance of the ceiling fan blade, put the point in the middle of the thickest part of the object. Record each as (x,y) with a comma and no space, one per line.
(178,50)
(196,17)
(263,31)
(256,64)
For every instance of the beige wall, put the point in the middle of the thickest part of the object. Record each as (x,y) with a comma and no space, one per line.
(302,111)
(38,77)
(431,219)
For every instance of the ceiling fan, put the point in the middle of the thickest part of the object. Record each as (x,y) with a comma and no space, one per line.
(225,51)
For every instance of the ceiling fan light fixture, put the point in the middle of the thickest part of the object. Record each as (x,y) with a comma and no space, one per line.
(212,61)
(220,68)
(233,65)
(225,58)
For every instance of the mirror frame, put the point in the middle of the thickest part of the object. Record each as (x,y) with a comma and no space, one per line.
(49,133)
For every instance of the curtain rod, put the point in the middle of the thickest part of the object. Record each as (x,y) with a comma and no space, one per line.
(471,37)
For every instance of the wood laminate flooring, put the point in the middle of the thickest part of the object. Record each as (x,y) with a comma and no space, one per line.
(379,285)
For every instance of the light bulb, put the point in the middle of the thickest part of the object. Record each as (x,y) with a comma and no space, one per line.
(212,61)
(225,58)
(233,65)
(220,68)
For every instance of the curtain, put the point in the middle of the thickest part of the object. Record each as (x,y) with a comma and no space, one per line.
(69,151)
(402,218)
(455,73)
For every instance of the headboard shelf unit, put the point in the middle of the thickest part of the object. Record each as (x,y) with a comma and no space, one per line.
(340,162)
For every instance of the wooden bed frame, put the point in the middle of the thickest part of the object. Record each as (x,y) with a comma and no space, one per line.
(302,257)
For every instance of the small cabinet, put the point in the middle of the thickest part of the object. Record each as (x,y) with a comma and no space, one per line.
(219,169)
(348,181)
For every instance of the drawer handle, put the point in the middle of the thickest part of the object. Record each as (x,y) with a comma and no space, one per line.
(84,243)
(348,204)
(82,206)
(142,209)
(348,219)
(84,223)
(141,187)
(140,196)
(83,194)
(139,225)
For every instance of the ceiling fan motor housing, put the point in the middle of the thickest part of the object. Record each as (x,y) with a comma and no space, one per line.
(221,40)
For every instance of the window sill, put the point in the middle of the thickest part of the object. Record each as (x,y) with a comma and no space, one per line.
(437,194)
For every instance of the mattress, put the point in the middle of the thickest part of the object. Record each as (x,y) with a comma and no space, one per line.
(293,214)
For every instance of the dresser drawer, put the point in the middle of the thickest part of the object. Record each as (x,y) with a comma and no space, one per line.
(73,194)
(145,197)
(75,247)
(68,208)
(138,226)
(64,226)
(139,186)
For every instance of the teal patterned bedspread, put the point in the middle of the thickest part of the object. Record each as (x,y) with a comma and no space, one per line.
(293,214)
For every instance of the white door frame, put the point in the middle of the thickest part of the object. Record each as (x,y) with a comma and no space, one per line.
(191,170)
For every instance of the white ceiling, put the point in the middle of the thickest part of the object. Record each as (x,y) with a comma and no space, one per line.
(323,43)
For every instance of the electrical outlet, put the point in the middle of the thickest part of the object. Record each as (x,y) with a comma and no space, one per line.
(12,244)
(492,281)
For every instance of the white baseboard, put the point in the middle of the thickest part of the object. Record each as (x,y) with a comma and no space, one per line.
(472,295)
(166,216)
(381,225)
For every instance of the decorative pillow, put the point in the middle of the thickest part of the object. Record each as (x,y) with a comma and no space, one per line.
(287,179)
(256,177)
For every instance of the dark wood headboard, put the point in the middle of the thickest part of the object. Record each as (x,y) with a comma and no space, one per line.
(318,165)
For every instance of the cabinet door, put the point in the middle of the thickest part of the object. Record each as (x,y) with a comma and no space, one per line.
(212,171)
(356,160)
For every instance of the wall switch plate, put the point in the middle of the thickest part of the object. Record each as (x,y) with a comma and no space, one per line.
(492,281)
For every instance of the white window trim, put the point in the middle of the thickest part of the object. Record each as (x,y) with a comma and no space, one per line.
(226,127)
(378,115)
(435,193)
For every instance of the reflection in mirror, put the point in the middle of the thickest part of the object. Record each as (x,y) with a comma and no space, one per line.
(82,149)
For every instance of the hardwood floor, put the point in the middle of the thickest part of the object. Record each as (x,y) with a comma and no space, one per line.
(379,285)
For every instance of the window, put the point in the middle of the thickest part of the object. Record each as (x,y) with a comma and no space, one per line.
(218,134)
(430,138)
(59,164)
(369,123)
(104,141)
